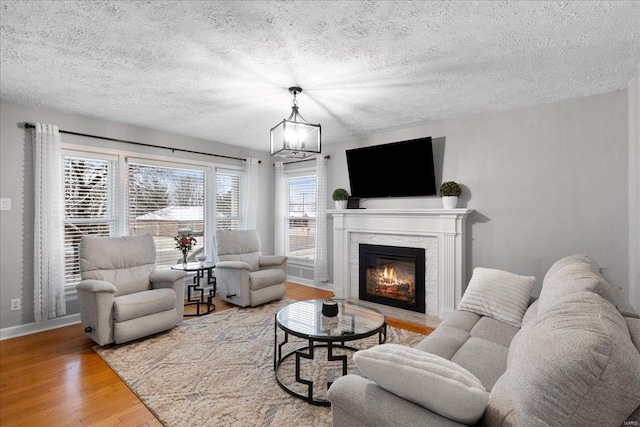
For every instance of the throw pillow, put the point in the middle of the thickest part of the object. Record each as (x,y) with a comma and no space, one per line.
(430,381)
(498,294)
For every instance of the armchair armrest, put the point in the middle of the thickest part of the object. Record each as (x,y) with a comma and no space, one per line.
(171,279)
(233,264)
(171,276)
(272,260)
(96,286)
(96,309)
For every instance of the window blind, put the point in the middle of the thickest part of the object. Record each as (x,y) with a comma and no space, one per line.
(160,201)
(228,187)
(89,206)
(301,191)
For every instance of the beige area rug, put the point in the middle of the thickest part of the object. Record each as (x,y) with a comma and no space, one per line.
(217,370)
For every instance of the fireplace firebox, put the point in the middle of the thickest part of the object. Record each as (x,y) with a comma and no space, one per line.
(393,275)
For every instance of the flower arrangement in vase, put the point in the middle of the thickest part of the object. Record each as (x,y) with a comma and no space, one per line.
(184,242)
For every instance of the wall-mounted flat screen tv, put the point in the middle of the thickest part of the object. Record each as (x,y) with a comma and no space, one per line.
(399,169)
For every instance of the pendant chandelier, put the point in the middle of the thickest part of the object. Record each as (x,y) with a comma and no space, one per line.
(295,137)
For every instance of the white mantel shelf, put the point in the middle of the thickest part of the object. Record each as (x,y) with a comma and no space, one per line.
(403,212)
(440,231)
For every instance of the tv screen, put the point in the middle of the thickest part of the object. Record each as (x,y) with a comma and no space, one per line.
(400,169)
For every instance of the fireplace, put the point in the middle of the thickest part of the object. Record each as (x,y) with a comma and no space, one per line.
(393,276)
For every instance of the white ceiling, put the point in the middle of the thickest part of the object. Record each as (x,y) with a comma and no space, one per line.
(220,70)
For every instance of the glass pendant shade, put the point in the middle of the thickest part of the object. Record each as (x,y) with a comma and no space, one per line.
(295,137)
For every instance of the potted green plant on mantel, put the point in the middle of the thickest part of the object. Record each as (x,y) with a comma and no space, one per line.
(449,192)
(340,196)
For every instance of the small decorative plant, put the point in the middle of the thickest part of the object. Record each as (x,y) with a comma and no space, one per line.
(449,188)
(340,194)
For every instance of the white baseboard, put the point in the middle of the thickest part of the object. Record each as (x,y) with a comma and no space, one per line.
(35,327)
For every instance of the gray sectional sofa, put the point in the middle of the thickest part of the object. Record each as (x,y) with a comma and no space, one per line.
(573,360)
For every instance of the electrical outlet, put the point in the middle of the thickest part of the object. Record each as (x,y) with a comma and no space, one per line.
(5,204)
(16,304)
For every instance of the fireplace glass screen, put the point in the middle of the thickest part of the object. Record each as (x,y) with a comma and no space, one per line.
(393,276)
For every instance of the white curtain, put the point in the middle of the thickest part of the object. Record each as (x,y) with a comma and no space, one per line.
(250,205)
(48,263)
(321,263)
(280,210)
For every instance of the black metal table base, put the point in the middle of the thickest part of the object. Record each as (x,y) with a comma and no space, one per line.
(308,352)
(197,293)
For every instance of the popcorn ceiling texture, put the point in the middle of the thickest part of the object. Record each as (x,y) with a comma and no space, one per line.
(219,70)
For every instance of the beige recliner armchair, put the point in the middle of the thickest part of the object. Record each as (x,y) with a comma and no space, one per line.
(122,296)
(243,275)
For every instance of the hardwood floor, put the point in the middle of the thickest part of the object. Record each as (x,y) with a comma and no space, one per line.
(54,378)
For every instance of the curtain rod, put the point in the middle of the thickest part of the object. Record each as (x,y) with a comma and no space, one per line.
(304,160)
(31,126)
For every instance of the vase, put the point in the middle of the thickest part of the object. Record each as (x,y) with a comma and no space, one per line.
(341,204)
(185,253)
(449,202)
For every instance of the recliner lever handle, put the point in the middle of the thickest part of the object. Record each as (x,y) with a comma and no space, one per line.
(231,295)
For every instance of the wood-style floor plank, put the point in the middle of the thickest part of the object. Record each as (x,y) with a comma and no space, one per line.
(54,378)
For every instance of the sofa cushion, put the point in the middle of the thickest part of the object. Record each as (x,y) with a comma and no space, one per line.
(415,375)
(531,313)
(571,259)
(499,410)
(570,278)
(498,294)
(139,304)
(494,330)
(445,341)
(469,339)
(484,359)
(634,331)
(575,366)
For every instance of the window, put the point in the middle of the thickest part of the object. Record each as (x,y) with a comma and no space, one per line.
(228,209)
(89,206)
(113,195)
(162,200)
(301,221)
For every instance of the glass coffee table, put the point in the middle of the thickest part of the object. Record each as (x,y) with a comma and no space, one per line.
(304,319)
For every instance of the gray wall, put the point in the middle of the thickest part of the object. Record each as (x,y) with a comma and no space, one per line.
(16,182)
(545,182)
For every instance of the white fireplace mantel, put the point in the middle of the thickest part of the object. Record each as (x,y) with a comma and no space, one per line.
(440,231)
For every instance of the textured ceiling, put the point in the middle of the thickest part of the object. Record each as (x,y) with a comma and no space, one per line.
(220,70)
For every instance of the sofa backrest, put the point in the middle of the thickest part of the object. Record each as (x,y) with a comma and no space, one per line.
(239,245)
(576,359)
(126,262)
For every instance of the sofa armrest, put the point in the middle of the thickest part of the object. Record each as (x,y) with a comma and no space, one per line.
(272,260)
(91,285)
(171,279)
(238,265)
(356,401)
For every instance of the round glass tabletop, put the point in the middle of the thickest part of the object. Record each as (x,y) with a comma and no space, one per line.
(193,266)
(354,321)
